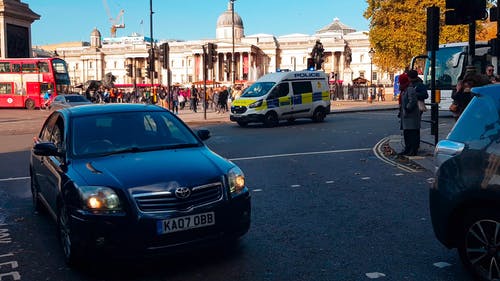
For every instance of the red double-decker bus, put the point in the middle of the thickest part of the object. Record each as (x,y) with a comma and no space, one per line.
(24,81)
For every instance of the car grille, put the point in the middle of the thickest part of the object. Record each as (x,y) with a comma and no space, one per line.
(238,109)
(167,201)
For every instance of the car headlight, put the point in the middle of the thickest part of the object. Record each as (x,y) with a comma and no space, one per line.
(255,104)
(236,181)
(99,198)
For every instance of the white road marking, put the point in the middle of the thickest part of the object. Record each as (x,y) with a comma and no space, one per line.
(15,179)
(300,153)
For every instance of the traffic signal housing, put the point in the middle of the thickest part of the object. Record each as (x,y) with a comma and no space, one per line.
(464,11)
(211,55)
(164,55)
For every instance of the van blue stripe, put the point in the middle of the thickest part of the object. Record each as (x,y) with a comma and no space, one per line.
(317,96)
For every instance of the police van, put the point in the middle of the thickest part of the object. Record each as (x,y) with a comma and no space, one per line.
(283,96)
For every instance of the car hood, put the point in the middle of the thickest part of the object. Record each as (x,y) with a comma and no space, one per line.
(154,170)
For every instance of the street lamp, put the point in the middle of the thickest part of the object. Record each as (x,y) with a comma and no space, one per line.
(370,54)
(233,62)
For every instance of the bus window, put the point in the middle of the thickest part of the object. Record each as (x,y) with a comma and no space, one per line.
(29,67)
(43,67)
(16,67)
(6,88)
(4,66)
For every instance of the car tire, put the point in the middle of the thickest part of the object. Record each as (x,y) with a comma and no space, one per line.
(319,115)
(72,254)
(37,205)
(271,119)
(476,245)
(242,123)
(29,104)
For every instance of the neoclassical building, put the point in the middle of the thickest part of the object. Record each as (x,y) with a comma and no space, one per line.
(346,55)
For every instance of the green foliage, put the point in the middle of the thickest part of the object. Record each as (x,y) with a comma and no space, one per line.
(398,30)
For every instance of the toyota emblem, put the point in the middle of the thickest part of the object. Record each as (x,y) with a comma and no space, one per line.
(182,192)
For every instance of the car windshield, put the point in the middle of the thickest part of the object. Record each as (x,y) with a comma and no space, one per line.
(128,132)
(257,89)
(76,99)
(478,125)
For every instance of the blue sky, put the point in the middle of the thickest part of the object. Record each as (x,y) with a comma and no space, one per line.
(65,21)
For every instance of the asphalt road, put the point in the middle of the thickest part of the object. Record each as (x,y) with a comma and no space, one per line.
(324,208)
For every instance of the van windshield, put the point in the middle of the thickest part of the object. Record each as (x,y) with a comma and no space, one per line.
(258,89)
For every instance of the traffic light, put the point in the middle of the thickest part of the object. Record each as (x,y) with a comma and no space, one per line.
(164,55)
(464,11)
(211,55)
(146,72)
(151,61)
(129,70)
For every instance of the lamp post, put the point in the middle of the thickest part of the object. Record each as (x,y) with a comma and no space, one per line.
(233,61)
(370,54)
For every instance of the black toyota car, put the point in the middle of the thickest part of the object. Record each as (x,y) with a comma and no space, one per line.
(465,197)
(132,179)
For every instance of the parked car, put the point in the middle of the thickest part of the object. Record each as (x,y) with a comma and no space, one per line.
(69,100)
(133,179)
(465,196)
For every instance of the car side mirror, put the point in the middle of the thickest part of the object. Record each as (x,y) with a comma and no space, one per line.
(203,134)
(46,149)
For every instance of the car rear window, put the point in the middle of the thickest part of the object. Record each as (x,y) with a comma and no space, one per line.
(478,125)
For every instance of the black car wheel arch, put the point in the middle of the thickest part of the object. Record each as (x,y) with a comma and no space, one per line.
(319,115)
(479,243)
(271,119)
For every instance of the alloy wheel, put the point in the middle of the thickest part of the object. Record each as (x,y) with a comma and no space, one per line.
(482,245)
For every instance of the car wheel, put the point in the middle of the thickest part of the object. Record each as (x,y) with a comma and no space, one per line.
(319,115)
(271,119)
(242,123)
(66,236)
(29,104)
(478,245)
(37,205)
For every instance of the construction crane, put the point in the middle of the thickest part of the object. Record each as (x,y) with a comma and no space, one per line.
(115,22)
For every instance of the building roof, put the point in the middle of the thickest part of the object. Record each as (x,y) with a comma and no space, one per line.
(337,26)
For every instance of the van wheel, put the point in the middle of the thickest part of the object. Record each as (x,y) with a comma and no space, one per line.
(29,104)
(478,244)
(319,115)
(271,119)
(242,123)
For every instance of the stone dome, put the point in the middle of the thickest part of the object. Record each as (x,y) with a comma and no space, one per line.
(95,33)
(226,18)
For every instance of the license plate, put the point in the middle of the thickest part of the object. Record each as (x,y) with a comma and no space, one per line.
(185,223)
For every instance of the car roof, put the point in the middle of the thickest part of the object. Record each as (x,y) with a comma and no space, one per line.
(490,90)
(97,109)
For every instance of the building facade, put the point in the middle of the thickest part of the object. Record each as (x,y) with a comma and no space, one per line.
(346,55)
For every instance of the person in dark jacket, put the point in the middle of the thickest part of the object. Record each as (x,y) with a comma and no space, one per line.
(410,116)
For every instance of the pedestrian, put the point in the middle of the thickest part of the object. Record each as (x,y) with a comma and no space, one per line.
(223,96)
(194,98)
(46,99)
(461,98)
(175,100)
(490,72)
(409,115)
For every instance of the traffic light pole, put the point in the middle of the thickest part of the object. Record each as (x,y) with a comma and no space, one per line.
(205,67)
(152,65)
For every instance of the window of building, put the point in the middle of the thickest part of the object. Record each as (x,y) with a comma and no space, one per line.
(362,74)
(115,64)
(76,66)
(374,76)
(391,76)
(90,64)
(361,58)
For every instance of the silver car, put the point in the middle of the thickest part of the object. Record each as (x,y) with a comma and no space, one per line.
(62,101)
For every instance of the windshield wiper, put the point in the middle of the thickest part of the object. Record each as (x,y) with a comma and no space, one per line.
(181,145)
(132,149)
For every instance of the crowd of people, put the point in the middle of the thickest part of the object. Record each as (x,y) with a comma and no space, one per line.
(179,98)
